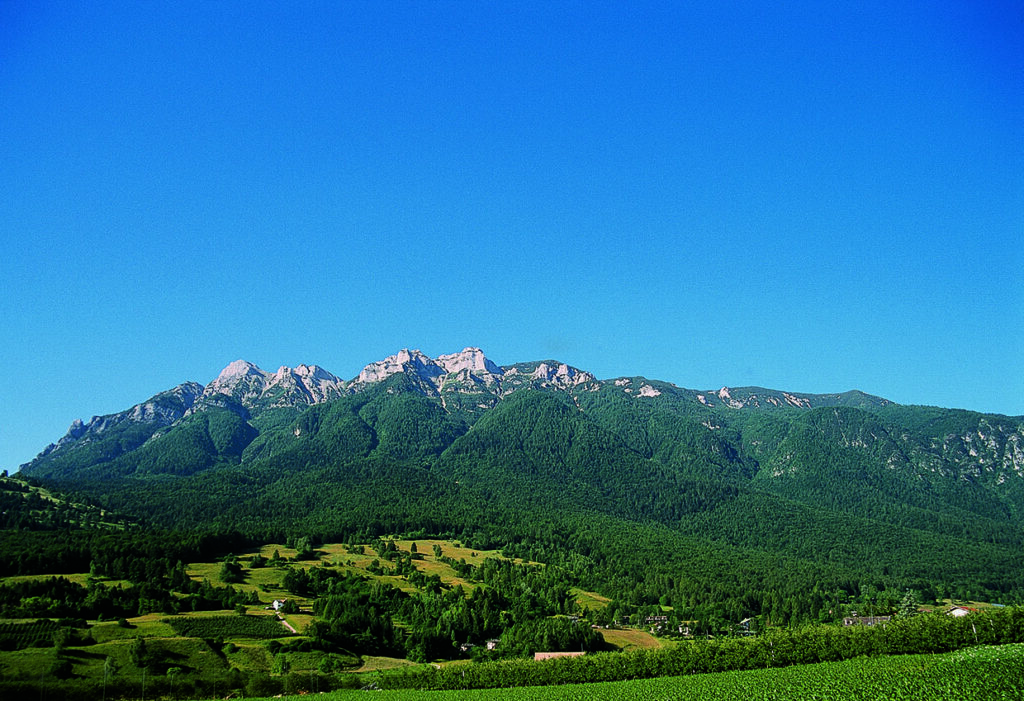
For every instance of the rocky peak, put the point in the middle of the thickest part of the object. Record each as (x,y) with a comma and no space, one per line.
(254,388)
(412,362)
(561,375)
(315,373)
(76,430)
(320,382)
(287,382)
(725,394)
(472,359)
(313,383)
(241,380)
(187,392)
(240,368)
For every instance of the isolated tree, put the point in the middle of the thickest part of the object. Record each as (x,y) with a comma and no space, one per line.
(304,549)
(908,605)
(231,571)
(172,674)
(109,670)
(139,653)
(61,639)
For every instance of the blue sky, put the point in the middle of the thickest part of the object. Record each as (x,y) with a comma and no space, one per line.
(777,194)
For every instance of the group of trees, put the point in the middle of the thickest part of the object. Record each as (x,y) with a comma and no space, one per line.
(135,555)
(25,506)
(59,597)
(130,573)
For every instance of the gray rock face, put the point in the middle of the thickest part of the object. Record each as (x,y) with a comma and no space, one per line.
(318,383)
(254,388)
(410,362)
(471,359)
(562,375)
(160,410)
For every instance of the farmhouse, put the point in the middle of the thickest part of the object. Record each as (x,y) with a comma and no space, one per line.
(865,620)
(656,622)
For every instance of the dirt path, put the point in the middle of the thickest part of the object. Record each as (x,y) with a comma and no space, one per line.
(286,624)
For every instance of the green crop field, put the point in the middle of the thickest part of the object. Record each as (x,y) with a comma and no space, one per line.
(225,627)
(975,674)
(18,636)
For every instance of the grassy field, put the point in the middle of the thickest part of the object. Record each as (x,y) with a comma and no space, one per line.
(630,638)
(376,664)
(149,626)
(266,581)
(590,600)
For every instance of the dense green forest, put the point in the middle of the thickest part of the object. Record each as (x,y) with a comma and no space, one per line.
(645,498)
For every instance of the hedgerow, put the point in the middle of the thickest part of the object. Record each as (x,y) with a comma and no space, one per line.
(929,633)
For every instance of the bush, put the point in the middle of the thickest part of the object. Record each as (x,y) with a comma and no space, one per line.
(262,685)
(61,668)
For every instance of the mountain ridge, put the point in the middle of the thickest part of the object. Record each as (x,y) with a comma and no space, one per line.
(413,407)
(247,386)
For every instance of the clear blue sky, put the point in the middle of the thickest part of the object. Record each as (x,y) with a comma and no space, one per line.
(776,194)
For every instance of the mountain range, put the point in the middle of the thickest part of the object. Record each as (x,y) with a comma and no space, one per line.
(465,383)
(738,488)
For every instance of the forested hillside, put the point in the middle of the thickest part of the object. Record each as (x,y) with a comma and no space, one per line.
(734,503)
